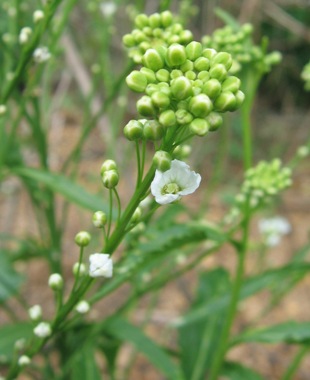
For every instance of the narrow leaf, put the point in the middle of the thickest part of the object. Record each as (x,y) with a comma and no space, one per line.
(10,334)
(236,371)
(83,365)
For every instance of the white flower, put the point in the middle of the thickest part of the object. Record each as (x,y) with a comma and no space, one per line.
(82,307)
(101,265)
(35,312)
(41,54)
(55,281)
(38,15)
(23,361)
(171,185)
(108,9)
(24,35)
(273,229)
(42,330)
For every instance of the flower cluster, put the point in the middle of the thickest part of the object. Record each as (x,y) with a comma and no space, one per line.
(238,42)
(305,75)
(185,86)
(273,229)
(158,29)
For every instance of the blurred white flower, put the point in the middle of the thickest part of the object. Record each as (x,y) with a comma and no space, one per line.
(82,307)
(273,229)
(38,15)
(41,54)
(24,35)
(2,109)
(24,360)
(101,265)
(108,8)
(42,330)
(55,281)
(35,312)
(171,185)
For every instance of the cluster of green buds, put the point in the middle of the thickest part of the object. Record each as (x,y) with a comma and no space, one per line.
(239,43)
(109,174)
(305,75)
(184,86)
(158,29)
(265,180)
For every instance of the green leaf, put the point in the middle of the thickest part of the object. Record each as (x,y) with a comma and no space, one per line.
(62,185)
(10,334)
(289,332)
(10,280)
(83,364)
(236,371)
(251,286)
(127,332)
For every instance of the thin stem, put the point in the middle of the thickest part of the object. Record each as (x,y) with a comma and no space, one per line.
(225,334)
(292,368)
(77,275)
(119,207)
(110,212)
(138,164)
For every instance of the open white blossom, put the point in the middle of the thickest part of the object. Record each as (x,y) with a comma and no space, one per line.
(41,54)
(100,265)
(171,185)
(273,229)
(42,330)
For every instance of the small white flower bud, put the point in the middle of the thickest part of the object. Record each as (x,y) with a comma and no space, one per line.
(35,312)
(24,360)
(99,219)
(55,281)
(82,307)
(101,265)
(41,54)
(2,109)
(38,15)
(24,35)
(82,238)
(76,270)
(43,330)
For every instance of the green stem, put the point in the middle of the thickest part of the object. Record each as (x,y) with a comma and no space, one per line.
(119,207)
(138,164)
(77,275)
(247,137)
(110,212)
(225,334)
(291,370)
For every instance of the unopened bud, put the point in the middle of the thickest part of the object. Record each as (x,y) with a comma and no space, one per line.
(145,106)
(182,151)
(200,105)
(136,81)
(2,109)
(209,53)
(35,312)
(193,50)
(162,160)
(108,165)
(38,15)
(186,36)
(82,307)
(153,60)
(212,88)
(82,238)
(155,20)
(183,117)
(218,72)
(128,40)
(55,281)
(23,361)
(187,66)
(199,127)
(99,219)
(176,55)
(166,18)
(153,130)
(215,120)
(133,130)
(226,101)
(162,75)
(222,58)
(141,20)
(202,64)
(181,88)
(231,84)
(110,179)
(160,99)
(149,74)
(167,118)
(136,215)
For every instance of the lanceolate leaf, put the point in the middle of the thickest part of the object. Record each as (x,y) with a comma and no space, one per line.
(83,365)
(64,186)
(236,371)
(10,280)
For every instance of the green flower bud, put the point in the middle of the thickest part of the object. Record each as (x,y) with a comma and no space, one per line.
(167,118)
(128,40)
(176,55)
(164,88)
(162,160)
(155,20)
(231,84)
(222,58)
(183,117)
(151,88)
(239,98)
(136,215)
(176,28)
(163,75)
(200,105)
(226,101)
(181,88)
(186,36)
(202,64)
(215,120)
(153,60)
(160,99)
(176,74)
(141,20)
(193,50)
(187,66)
(166,18)
(158,33)
(209,53)
(204,76)
(218,72)
(110,179)
(108,165)
(199,126)
(139,36)
(148,31)
(182,105)
(153,130)
(212,88)
(182,151)
(191,75)
(133,130)
(145,106)
(82,238)
(99,219)
(55,281)
(144,46)
(149,74)
(136,81)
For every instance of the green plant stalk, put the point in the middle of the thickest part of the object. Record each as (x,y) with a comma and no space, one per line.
(291,370)
(232,309)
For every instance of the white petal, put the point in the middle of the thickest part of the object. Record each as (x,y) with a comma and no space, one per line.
(164,199)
